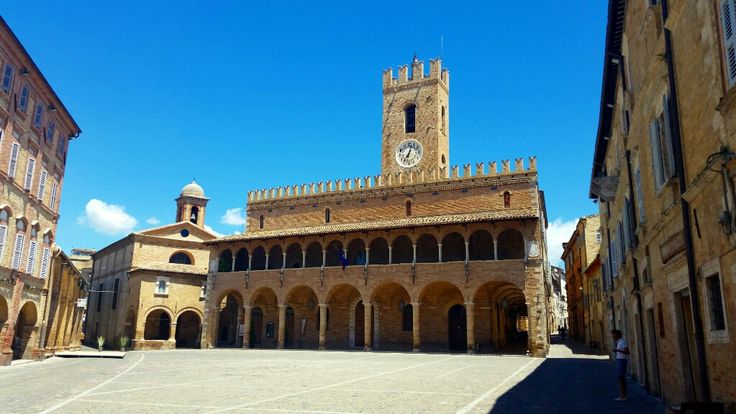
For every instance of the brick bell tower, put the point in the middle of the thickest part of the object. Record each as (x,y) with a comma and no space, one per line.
(191,204)
(416,118)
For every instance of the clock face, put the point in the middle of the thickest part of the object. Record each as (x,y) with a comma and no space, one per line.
(409,153)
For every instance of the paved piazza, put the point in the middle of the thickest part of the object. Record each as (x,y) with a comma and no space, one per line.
(235,380)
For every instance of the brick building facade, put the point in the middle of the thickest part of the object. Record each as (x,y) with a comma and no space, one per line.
(421,257)
(663,174)
(35,131)
(149,285)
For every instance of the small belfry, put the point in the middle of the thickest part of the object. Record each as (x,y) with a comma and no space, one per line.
(416,118)
(191,204)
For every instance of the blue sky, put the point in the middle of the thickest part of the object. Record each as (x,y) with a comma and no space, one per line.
(245,97)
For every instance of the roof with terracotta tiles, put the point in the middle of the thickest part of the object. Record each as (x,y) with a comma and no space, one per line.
(510,214)
(171,268)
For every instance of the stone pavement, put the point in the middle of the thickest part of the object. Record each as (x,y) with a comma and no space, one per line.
(235,380)
(574,379)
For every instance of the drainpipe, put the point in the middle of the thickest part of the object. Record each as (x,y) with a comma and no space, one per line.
(685,209)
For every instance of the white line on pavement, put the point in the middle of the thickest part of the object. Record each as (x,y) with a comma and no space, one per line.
(450,372)
(98,386)
(486,394)
(280,397)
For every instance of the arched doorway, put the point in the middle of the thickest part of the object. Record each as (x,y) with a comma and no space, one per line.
(302,318)
(510,245)
(436,300)
(289,328)
(393,327)
(256,327)
(501,318)
(457,328)
(24,327)
(229,320)
(158,325)
(342,301)
(187,330)
(359,325)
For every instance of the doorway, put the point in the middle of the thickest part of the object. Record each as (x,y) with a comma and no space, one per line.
(359,325)
(457,328)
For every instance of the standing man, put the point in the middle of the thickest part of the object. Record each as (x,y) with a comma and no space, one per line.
(621,356)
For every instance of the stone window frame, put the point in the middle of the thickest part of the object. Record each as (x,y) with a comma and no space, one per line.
(156,288)
(713,269)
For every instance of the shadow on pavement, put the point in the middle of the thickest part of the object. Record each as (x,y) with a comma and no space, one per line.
(573,385)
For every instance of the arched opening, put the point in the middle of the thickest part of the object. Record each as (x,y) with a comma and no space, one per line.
(129,329)
(341,301)
(436,299)
(259,259)
(510,245)
(481,245)
(158,325)
(241,260)
(314,255)
(260,222)
(410,118)
(334,253)
(294,256)
(457,328)
(327,215)
(24,332)
(403,251)
(408,208)
(393,330)
(3,311)
(501,318)
(181,258)
(356,252)
(229,319)
(427,251)
(359,324)
(276,257)
(264,320)
(303,303)
(506,199)
(256,327)
(188,326)
(453,248)
(195,215)
(379,251)
(226,262)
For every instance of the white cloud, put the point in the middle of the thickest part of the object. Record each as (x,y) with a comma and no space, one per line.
(153,221)
(106,218)
(211,230)
(559,232)
(233,217)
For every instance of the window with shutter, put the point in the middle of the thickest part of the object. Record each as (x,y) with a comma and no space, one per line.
(728,24)
(639,196)
(31,263)
(45,262)
(3,233)
(656,154)
(38,116)
(17,251)
(23,100)
(7,78)
(29,173)
(42,185)
(668,156)
(50,129)
(52,202)
(13,159)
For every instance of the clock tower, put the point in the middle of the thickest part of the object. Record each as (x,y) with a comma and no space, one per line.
(416,113)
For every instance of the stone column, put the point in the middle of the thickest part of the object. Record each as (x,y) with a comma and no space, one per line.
(172,334)
(439,252)
(267,260)
(390,259)
(494,323)
(367,325)
(304,258)
(232,264)
(324,257)
(467,251)
(470,326)
(495,250)
(415,326)
(323,326)
(367,255)
(414,252)
(283,262)
(250,261)
(246,326)
(282,327)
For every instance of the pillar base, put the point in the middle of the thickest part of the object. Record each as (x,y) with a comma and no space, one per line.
(470,352)
(322,348)
(415,350)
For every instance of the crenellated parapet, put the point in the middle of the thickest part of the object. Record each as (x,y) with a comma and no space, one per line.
(404,178)
(417,73)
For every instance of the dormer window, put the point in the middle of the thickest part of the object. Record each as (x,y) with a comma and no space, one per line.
(410,118)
